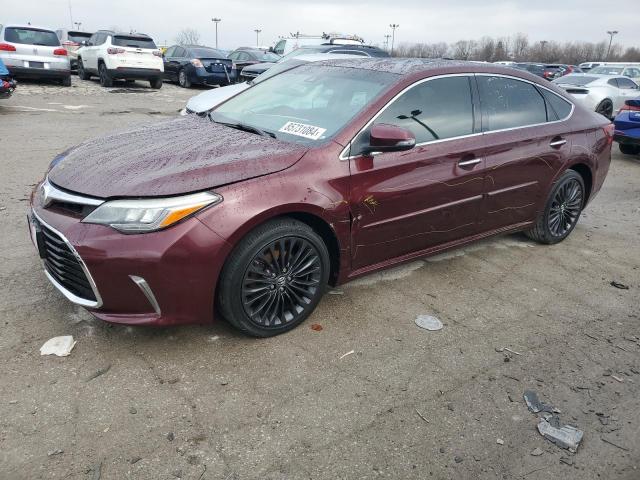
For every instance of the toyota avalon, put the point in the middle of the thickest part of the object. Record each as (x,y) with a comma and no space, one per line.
(326,172)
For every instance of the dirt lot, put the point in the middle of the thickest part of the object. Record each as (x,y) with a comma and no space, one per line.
(207,403)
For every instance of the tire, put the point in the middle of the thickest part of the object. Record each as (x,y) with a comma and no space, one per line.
(130,80)
(156,83)
(183,79)
(258,294)
(562,210)
(82,73)
(605,108)
(105,79)
(629,149)
(66,82)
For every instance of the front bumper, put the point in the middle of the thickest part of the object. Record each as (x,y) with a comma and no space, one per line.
(162,278)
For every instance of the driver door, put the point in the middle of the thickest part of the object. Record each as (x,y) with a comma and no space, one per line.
(429,196)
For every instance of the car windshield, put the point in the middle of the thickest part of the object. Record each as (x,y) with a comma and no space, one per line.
(305,105)
(267,56)
(31,36)
(607,70)
(207,53)
(134,42)
(302,51)
(276,69)
(575,80)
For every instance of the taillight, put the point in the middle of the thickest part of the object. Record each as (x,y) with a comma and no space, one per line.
(629,108)
(196,63)
(114,51)
(61,52)
(5,47)
(157,53)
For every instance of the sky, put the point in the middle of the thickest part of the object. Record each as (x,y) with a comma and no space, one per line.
(423,21)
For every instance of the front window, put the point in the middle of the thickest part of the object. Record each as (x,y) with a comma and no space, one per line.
(31,36)
(308,104)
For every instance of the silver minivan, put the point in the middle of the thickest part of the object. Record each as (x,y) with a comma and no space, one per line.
(34,52)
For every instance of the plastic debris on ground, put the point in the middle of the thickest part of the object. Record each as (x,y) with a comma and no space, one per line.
(619,285)
(429,322)
(534,404)
(347,354)
(60,346)
(567,436)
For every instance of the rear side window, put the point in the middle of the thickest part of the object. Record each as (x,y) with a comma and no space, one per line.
(433,110)
(78,37)
(508,103)
(31,36)
(559,108)
(613,82)
(627,84)
(134,42)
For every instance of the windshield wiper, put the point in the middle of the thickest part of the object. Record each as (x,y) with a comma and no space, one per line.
(245,128)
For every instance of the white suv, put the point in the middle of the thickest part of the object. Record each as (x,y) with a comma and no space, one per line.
(111,56)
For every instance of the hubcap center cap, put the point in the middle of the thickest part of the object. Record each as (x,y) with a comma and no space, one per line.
(280,281)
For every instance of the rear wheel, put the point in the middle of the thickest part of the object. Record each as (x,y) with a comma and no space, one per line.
(156,83)
(66,82)
(605,108)
(562,210)
(274,278)
(629,149)
(105,79)
(183,79)
(82,73)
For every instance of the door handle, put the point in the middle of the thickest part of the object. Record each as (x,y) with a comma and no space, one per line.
(557,142)
(470,162)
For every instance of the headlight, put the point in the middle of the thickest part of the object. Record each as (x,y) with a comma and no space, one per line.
(139,216)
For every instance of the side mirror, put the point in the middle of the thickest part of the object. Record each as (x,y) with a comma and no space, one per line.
(271,49)
(390,138)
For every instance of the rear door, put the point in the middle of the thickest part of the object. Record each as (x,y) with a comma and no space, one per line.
(404,202)
(90,52)
(525,145)
(170,69)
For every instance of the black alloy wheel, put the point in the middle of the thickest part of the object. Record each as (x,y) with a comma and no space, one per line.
(274,278)
(281,282)
(605,108)
(565,208)
(562,209)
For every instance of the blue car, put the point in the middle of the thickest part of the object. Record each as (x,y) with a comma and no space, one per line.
(7,84)
(627,123)
(194,64)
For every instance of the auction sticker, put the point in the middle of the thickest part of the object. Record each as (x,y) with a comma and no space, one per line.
(302,130)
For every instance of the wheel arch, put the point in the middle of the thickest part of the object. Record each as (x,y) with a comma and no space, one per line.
(587,177)
(306,214)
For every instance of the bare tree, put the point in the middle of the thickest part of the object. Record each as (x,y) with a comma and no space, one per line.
(463,49)
(188,36)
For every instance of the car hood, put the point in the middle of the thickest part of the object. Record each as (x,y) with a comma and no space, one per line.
(170,158)
(212,98)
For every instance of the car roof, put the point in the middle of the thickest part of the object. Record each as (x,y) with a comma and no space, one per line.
(411,66)
(124,34)
(36,27)
(596,76)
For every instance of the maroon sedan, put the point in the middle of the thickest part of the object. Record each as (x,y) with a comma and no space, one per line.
(316,176)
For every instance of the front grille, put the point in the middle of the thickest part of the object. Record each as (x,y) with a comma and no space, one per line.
(63,266)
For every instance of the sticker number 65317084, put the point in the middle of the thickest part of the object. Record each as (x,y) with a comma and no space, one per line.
(302,130)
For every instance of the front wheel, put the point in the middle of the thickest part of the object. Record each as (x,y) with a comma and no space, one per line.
(105,79)
(82,73)
(183,79)
(66,82)
(629,149)
(274,278)
(562,210)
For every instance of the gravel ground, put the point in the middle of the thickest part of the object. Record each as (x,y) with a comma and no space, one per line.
(208,403)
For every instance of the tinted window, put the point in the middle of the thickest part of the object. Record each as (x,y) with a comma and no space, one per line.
(509,103)
(559,108)
(632,72)
(169,52)
(78,37)
(433,110)
(579,80)
(613,82)
(207,53)
(134,42)
(31,36)
(627,83)
(100,38)
(180,52)
(279,48)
